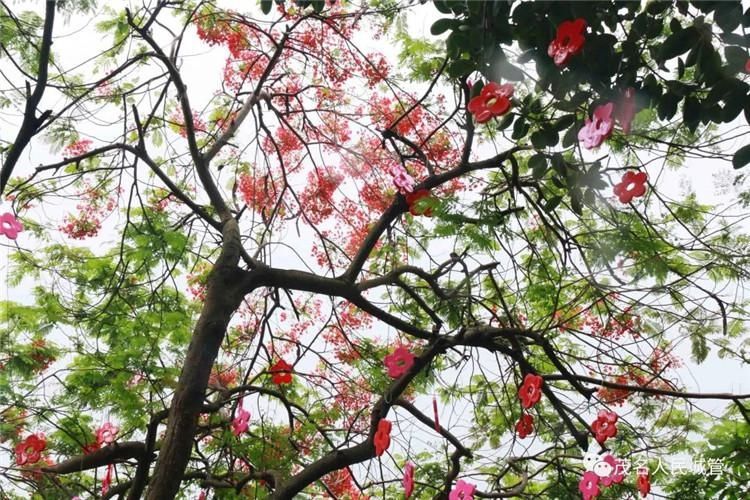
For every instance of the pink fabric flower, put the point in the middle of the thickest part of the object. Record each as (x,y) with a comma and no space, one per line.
(399,362)
(525,425)
(408,480)
(9,226)
(605,426)
(107,433)
(29,451)
(530,391)
(462,490)
(402,180)
(493,100)
(626,109)
(633,184)
(568,41)
(589,485)
(598,128)
(241,419)
(616,471)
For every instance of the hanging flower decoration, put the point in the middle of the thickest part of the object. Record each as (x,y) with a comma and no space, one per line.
(416,208)
(462,490)
(568,41)
(107,481)
(492,101)
(525,425)
(613,473)
(605,426)
(626,110)
(29,451)
(382,438)
(597,128)
(9,226)
(589,485)
(402,180)
(106,434)
(241,419)
(530,391)
(408,480)
(282,372)
(399,362)
(633,185)
(643,482)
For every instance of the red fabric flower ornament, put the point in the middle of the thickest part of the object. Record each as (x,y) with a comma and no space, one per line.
(589,485)
(525,425)
(382,438)
(626,109)
(282,372)
(29,451)
(615,471)
(605,426)
(633,184)
(596,129)
(241,419)
(568,41)
(493,100)
(408,480)
(530,391)
(643,483)
(412,199)
(462,490)
(9,226)
(399,362)
(106,434)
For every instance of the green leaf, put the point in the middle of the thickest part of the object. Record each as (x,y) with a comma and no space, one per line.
(265,6)
(461,67)
(741,157)
(552,203)
(678,43)
(520,129)
(442,25)
(538,165)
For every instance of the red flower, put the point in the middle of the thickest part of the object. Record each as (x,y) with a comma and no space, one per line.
(282,372)
(493,100)
(413,198)
(568,41)
(589,485)
(399,362)
(9,226)
(643,483)
(633,184)
(382,438)
(29,451)
(525,425)
(408,480)
(107,433)
(531,391)
(605,426)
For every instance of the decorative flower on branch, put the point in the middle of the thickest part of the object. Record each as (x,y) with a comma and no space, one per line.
(643,482)
(9,226)
(568,41)
(530,391)
(382,438)
(605,426)
(597,128)
(402,180)
(241,419)
(525,425)
(462,490)
(633,185)
(589,485)
(399,362)
(29,451)
(613,474)
(282,372)
(408,480)
(417,208)
(492,101)
(106,434)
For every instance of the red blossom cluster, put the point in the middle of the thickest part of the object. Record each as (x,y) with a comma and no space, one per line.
(77,148)
(97,204)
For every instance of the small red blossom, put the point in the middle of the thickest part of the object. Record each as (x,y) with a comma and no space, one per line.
(605,426)
(9,226)
(462,491)
(493,100)
(241,419)
(568,41)
(107,433)
(77,148)
(633,184)
(399,362)
(525,425)
(615,473)
(282,372)
(643,483)
(29,451)
(597,128)
(382,438)
(408,480)
(589,485)
(415,208)
(530,391)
